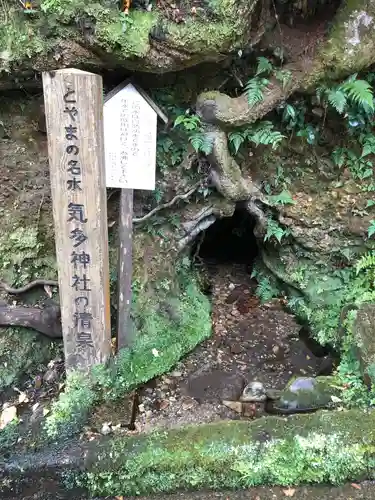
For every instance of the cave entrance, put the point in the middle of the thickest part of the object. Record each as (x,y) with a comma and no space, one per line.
(229,240)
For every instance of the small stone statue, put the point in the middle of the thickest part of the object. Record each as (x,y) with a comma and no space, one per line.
(254,392)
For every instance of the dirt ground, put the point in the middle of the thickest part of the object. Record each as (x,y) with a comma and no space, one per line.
(249,342)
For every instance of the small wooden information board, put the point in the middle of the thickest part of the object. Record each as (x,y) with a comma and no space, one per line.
(74,117)
(130,128)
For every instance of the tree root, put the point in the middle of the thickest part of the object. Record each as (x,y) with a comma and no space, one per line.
(219,109)
(169,204)
(197,229)
(46,321)
(26,288)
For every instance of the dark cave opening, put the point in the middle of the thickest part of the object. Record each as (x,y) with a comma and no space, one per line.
(230,240)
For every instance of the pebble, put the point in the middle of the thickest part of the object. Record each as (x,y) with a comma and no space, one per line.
(106,429)
(141,408)
(176,374)
(275,349)
(233,405)
(231,286)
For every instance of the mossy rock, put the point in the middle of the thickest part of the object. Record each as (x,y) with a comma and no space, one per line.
(325,447)
(364,335)
(308,393)
(21,352)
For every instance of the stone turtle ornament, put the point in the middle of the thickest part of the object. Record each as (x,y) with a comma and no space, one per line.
(301,395)
(305,395)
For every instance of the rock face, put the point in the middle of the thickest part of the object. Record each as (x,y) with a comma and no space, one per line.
(216,385)
(364,335)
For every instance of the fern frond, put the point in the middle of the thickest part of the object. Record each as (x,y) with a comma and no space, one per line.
(264,66)
(201,142)
(359,91)
(337,99)
(283,198)
(263,133)
(265,291)
(236,139)
(274,230)
(254,90)
(366,262)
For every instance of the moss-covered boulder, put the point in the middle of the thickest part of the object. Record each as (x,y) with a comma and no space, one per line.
(22,352)
(327,447)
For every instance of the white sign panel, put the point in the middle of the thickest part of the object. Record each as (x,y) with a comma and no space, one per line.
(130,126)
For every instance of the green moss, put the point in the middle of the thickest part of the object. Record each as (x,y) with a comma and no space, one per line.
(162,338)
(159,343)
(19,40)
(196,35)
(70,411)
(134,41)
(22,256)
(8,437)
(21,352)
(325,447)
(350,46)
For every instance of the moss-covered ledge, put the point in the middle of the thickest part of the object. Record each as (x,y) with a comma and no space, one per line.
(326,447)
(98,35)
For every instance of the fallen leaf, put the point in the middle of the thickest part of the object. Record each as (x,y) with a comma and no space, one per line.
(7,415)
(289,492)
(119,498)
(356,486)
(48,290)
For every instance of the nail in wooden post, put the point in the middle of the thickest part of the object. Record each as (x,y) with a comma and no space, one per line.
(74,118)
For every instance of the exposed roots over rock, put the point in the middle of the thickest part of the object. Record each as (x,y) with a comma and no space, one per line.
(220,109)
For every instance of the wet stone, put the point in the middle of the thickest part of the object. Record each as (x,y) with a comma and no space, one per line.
(216,385)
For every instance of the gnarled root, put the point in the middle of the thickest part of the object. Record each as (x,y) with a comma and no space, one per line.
(46,321)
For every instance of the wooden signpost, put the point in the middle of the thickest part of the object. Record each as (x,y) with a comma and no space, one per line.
(130,127)
(74,117)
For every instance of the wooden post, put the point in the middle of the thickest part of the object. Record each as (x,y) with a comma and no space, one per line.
(74,118)
(125,268)
(130,126)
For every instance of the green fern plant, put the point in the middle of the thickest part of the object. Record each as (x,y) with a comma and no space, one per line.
(201,142)
(283,198)
(188,122)
(358,92)
(366,265)
(274,230)
(371,229)
(265,291)
(264,66)
(264,133)
(236,139)
(254,90)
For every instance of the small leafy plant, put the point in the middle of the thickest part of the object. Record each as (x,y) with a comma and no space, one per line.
(264,71)
(260,133)
(197,138)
